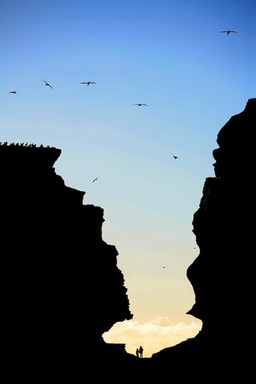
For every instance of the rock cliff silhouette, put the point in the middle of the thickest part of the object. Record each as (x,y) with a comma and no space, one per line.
(62,288)
(222,275)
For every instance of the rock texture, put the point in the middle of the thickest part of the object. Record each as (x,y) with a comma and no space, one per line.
(61,286)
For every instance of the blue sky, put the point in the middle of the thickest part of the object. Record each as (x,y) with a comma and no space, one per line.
(167,54)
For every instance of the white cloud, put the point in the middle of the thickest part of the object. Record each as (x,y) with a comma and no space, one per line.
(154,335)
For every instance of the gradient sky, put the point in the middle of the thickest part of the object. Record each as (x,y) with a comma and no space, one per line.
(168,54)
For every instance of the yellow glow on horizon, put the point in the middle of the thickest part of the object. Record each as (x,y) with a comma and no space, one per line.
(153,335)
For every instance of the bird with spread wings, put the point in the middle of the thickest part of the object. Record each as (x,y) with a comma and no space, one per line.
(87,82)
(47,84)
(228,31)
(140,104)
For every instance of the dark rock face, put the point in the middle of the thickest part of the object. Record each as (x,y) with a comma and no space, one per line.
(61,287)
(223,273)
(63,290)
(221,229)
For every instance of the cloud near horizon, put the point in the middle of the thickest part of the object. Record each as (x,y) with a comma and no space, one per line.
(154,335)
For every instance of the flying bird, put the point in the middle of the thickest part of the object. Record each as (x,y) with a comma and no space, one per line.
(88,82)
(164,266)
(14,92)
(228,31)
(175,157)
(140,104)
(47,84)
(96,178)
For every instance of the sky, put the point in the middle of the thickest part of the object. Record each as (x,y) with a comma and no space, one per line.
(168,54)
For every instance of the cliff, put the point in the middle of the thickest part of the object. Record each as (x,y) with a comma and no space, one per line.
(222,275)
(61,286)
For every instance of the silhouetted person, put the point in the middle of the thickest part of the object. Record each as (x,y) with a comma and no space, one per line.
(141,351)
(137,352)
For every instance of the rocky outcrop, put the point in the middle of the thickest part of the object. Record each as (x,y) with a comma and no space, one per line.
(222,231)
(61,286)
(222,275)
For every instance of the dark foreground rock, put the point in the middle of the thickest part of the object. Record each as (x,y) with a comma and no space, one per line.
(62,289)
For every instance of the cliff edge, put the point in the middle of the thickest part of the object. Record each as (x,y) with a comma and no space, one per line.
(61,286)
(222,275)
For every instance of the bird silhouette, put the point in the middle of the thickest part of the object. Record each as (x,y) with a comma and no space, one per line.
(96,178)
(164,266)
(88,82)
(47,84)
(175,157)
(14,92)
(228,31)
(140,104)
